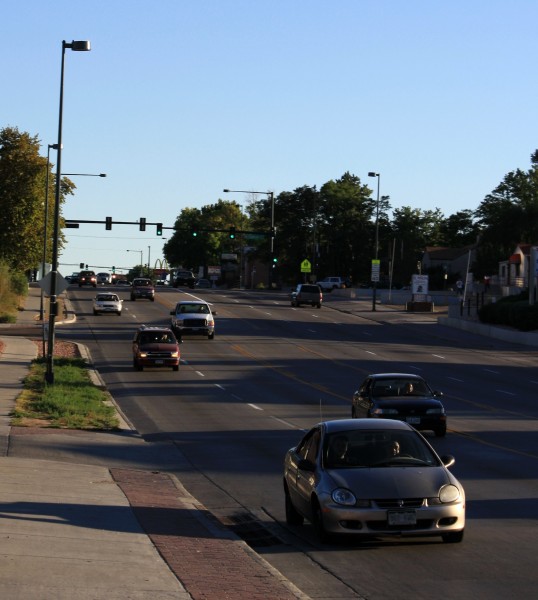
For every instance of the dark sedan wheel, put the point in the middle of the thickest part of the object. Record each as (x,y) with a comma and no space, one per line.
(292,516)
(175,368)
(210,336)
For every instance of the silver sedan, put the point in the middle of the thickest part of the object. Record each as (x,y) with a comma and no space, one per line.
(369,477)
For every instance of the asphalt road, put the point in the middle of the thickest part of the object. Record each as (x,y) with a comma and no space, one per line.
(272,371)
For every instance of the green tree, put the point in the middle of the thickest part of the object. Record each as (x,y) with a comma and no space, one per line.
(347,226)
(23,174)
(508,216)
(211,223)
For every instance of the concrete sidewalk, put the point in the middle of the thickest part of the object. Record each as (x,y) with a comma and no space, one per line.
(103,519)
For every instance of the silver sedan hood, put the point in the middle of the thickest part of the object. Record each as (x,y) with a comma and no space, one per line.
(390,482)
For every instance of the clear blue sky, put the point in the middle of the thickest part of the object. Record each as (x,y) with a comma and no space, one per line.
(179,99)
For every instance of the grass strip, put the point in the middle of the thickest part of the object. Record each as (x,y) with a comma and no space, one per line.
(72,402)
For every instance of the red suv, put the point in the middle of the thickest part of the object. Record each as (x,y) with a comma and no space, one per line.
(155,347)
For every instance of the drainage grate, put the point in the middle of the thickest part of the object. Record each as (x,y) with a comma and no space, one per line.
(250,530)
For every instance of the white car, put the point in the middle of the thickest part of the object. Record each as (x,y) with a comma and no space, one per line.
(193,317)
(103,278)
(107,303)
(331,283)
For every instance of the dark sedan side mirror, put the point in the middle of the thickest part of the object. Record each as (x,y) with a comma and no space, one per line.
(306,465)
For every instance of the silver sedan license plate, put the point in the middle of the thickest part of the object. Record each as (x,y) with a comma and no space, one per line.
(413,420)
(401,517)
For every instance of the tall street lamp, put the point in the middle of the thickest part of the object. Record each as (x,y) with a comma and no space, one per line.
(272,251)
(376,276)
(76,46)
(41,307)
(84,174)
(141,261)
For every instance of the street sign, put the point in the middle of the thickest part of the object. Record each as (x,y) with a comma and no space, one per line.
(45,284)
(375,269)
(306,266)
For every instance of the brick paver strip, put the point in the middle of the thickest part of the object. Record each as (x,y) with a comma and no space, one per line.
(211,565)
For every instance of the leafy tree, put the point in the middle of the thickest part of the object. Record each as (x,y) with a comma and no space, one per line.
(508,216)
(22,200)
(459,230)
(211,224)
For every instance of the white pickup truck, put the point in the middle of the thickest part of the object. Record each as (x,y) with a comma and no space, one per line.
(331,283)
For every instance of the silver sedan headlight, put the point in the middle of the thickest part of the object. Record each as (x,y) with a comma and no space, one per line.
(344,497)
(449,493)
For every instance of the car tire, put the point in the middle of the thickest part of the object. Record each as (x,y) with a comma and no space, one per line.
(210,336)
(137,366)
(317,521)
(152,299)
(175,368)
(119,313)
(95,312)
(440,431)
(319,305)
(293,517)
(133,298)
(453,537)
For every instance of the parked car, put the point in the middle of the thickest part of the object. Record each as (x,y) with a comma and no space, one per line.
(366,477)
(87,278)
(193,317)
(403,396)
(203,283)
(185,278)
(307,293)
(328,284)
(142,287)
(103,278)
(155,347)
(107,303)
(73,278)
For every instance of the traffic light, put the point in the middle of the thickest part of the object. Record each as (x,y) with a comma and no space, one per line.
(194,233)
(142,224)
(81,265)
(232,233)
(108,223)
(113,269)
(159,228)
(275,261)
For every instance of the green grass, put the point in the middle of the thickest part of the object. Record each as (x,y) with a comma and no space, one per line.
(72,402)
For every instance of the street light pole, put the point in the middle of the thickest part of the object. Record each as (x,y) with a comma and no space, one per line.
(45,228)
(373,174)
(141,260)
(272,247)
(76,46)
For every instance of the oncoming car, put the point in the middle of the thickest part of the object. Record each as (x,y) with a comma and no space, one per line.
(403,396)
(372,478)
(107,303)
(193,317)
(155,347)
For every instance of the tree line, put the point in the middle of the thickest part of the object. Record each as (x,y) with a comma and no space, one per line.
(335,227)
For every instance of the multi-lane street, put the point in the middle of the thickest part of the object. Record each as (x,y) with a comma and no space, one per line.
(241,400)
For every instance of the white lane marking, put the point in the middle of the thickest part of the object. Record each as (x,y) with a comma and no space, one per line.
(200,373)
(456,379)
(438,356)
(491,371)
(254,406)
(221,387)
(370,352)
(287,423)
(505,392)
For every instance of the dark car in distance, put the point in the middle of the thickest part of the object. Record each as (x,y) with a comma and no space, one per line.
(307,293)
(401,396)
(87,278)
(155,347)
(184,278)
(142,287)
